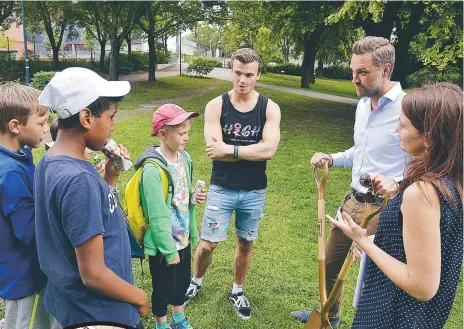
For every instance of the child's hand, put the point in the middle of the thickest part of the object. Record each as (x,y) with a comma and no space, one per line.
(144,305)
(174,261)
(201,196)
(101,168)
(110,168)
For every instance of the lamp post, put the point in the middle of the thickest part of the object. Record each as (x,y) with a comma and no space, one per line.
(180,52)
(26,57)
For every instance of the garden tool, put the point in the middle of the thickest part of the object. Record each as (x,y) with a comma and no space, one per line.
(319,319)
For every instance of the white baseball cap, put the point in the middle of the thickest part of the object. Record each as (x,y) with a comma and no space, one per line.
(75,88)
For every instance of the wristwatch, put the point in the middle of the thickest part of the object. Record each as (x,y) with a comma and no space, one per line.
(235,151)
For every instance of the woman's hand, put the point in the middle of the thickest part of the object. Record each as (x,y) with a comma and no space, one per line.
(348,226)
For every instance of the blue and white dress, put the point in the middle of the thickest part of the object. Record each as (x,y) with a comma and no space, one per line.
(385,306)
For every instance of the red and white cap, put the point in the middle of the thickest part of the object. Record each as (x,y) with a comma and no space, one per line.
(169,115)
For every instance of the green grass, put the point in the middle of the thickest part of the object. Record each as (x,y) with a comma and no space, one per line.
(284,275)
(328,86)
(145,92)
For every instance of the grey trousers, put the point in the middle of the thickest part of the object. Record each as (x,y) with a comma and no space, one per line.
(18,314)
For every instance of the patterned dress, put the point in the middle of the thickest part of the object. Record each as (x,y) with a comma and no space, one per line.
(385,306)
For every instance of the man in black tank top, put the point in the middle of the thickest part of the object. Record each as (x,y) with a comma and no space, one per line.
(242,132)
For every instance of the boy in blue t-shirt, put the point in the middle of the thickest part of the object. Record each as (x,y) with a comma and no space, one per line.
(23,125)
(82,240)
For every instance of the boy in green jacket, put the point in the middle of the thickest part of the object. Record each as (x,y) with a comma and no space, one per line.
(172,222)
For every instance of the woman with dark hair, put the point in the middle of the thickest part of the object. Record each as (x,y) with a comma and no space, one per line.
(416,257)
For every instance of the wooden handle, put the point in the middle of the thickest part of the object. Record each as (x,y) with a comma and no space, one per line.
(343,274)
(321,182)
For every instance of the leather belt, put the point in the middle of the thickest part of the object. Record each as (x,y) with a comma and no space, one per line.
(367,198)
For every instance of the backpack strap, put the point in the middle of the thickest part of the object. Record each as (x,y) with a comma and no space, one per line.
(164,177)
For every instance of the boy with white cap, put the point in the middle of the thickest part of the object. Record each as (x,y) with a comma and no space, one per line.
(82,240)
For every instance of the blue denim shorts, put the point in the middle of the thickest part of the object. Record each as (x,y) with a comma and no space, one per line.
(221,202)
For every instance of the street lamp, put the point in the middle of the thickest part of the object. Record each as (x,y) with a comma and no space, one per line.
(26,57)
(180,52)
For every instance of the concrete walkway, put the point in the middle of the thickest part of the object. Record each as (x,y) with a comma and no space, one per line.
(149,108)
(225,74)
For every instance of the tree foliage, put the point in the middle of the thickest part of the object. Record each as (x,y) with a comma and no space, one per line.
(56,17)
(7,10)
(423,33)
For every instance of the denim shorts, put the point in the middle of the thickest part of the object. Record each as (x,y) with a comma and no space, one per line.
(221,202)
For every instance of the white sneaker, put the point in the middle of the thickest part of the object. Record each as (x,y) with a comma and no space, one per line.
(192,291)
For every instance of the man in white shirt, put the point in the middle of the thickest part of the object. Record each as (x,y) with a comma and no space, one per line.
(376,150)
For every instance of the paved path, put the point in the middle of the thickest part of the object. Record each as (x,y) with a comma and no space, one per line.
(224,74)
(148,108)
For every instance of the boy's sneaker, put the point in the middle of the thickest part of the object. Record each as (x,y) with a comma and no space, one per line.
(192,291)
(303,316)
(241,305)
(183,325)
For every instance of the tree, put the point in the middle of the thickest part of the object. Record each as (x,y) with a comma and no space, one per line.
(441,45)
(246,18)
(89,42)
(134,33)
(7,9)
(207,36)
(163,16)
(266,47)
(56,17)
(116,19)
(336,44)
(307,27)
(91,21)
(418,36)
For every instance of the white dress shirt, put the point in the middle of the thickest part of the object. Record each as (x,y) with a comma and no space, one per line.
(376,147)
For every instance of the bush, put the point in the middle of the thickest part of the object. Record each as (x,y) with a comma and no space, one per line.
(201,65)
(284,68)
(337,72)
(40,79)
(430,74)
(9,68)
(162,57)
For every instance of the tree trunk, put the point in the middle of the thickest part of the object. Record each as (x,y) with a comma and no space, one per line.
(151,45)
(129,49)
(56,60)
(151,58)
(320,68)
(285,49)
(101,66)
(405,34)
(114,58)
(305,78)
(311,42)
(312,78)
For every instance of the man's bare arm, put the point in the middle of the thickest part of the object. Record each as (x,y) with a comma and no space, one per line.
(212,128)
(267,147)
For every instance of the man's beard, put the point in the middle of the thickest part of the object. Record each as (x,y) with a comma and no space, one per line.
(373,89)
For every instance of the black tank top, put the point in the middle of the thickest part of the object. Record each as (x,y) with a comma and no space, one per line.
(241,129)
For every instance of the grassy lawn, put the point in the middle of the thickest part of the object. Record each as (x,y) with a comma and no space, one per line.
(284,275)
(164,88)
(328,86)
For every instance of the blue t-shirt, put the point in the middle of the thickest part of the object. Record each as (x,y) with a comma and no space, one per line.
(20,274)
(73,203)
